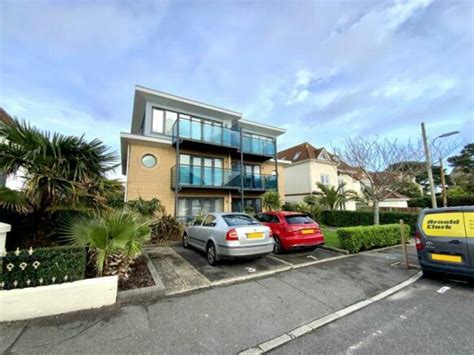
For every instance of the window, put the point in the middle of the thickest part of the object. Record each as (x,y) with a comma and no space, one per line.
(158,121)
(325,179)
(254,203)
(296,156)
(196,170)
(267,218)
(210,221)
(171,118)
(190,207)
(149,160)
(239,220)
(298,219)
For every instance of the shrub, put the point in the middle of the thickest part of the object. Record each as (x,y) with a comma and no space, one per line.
(355,239)
(271,201)
(166,228)
(146,208)
(425,201)
(114,239)
(249,210)
(363,218)
(289,206)
(43,266)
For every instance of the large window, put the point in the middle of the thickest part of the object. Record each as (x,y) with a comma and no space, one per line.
(251,203)
(190,207)
(162,121)
(196,170)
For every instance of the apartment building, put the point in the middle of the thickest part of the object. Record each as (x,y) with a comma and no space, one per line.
(197,158)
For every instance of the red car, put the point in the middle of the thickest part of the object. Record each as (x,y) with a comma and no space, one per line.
(292,230)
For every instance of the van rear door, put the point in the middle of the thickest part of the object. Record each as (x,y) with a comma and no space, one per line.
(445,237)
(469,226)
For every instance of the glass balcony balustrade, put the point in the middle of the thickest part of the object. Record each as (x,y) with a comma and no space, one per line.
(199,131)
(209,177)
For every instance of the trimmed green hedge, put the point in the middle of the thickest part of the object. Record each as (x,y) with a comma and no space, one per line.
(355,239)
(45,266)
(425,201)
(366,218)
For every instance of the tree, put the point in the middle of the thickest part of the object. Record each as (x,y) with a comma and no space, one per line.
(463,168)
(334,198)
(410,189)
(60,173)
(271,201)
(421,175)
(382,165)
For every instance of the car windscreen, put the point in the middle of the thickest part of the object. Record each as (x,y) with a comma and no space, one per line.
(298,219)
(239,220)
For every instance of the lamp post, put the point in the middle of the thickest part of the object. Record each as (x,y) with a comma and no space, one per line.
(428,165)
(441,172)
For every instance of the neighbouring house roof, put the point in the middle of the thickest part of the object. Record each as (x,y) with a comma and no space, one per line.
(395,195)
(301,152)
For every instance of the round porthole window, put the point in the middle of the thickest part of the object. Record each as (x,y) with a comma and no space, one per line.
(149,160)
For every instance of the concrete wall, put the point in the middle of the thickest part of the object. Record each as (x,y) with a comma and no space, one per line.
(318,168)
(49,300)
(297,182)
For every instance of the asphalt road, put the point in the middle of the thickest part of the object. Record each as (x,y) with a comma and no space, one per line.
(421,319)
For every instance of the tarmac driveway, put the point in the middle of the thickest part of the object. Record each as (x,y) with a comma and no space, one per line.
(186,269)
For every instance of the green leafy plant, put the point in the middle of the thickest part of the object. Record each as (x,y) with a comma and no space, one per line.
(114,239)
(271,201)
(147,208)
(165,228)
(42,266)
(60,173)
(334,198)
(249,210)
(355,239)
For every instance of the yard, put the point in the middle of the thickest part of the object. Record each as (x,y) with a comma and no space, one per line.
(330,237)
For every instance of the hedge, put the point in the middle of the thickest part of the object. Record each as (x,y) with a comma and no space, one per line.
(42,266)
(355,239)
(425,201)
(366,218)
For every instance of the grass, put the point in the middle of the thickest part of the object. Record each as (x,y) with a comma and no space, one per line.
(330,237)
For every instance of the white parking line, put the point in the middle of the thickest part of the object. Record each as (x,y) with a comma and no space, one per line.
(280,260)
(443,289)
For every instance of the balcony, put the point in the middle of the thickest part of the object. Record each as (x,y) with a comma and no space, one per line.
(219,178)
(196,134)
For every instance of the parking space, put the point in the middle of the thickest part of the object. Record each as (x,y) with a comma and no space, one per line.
(296,257)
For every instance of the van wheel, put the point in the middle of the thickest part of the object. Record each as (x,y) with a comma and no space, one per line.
(211,254)
(185,241)
(277,248)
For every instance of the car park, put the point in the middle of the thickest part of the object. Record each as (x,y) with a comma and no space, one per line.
(292,230)
(445,241)
(229,235)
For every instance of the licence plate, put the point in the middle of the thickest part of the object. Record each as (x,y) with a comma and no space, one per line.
(257,235)
(307,231)
(444,257)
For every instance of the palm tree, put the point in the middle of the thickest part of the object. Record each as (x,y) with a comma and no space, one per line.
(60,173)
(114,238)
(334,197)
(271,200)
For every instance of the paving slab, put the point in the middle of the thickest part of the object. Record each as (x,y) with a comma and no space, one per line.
(228,269)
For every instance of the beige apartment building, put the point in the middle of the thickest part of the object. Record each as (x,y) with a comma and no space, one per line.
(197,158)
(310,165)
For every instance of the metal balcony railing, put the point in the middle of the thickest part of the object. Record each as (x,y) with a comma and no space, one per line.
(198,176)
(215,134)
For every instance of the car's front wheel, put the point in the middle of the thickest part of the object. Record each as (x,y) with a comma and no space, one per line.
(185,241)
(277,248)
(211,254)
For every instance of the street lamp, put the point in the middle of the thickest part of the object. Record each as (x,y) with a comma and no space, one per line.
(441,173)
(428,164)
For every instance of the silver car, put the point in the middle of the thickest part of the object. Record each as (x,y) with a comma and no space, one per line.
(229,235)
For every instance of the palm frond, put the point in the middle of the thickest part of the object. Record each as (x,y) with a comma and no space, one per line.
(14,200)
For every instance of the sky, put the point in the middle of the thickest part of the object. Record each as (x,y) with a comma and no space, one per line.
(323,70)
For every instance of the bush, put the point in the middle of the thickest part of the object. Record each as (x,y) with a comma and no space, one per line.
(366,218)
(425,201)
(166,228)
(44,266)
(355,239)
